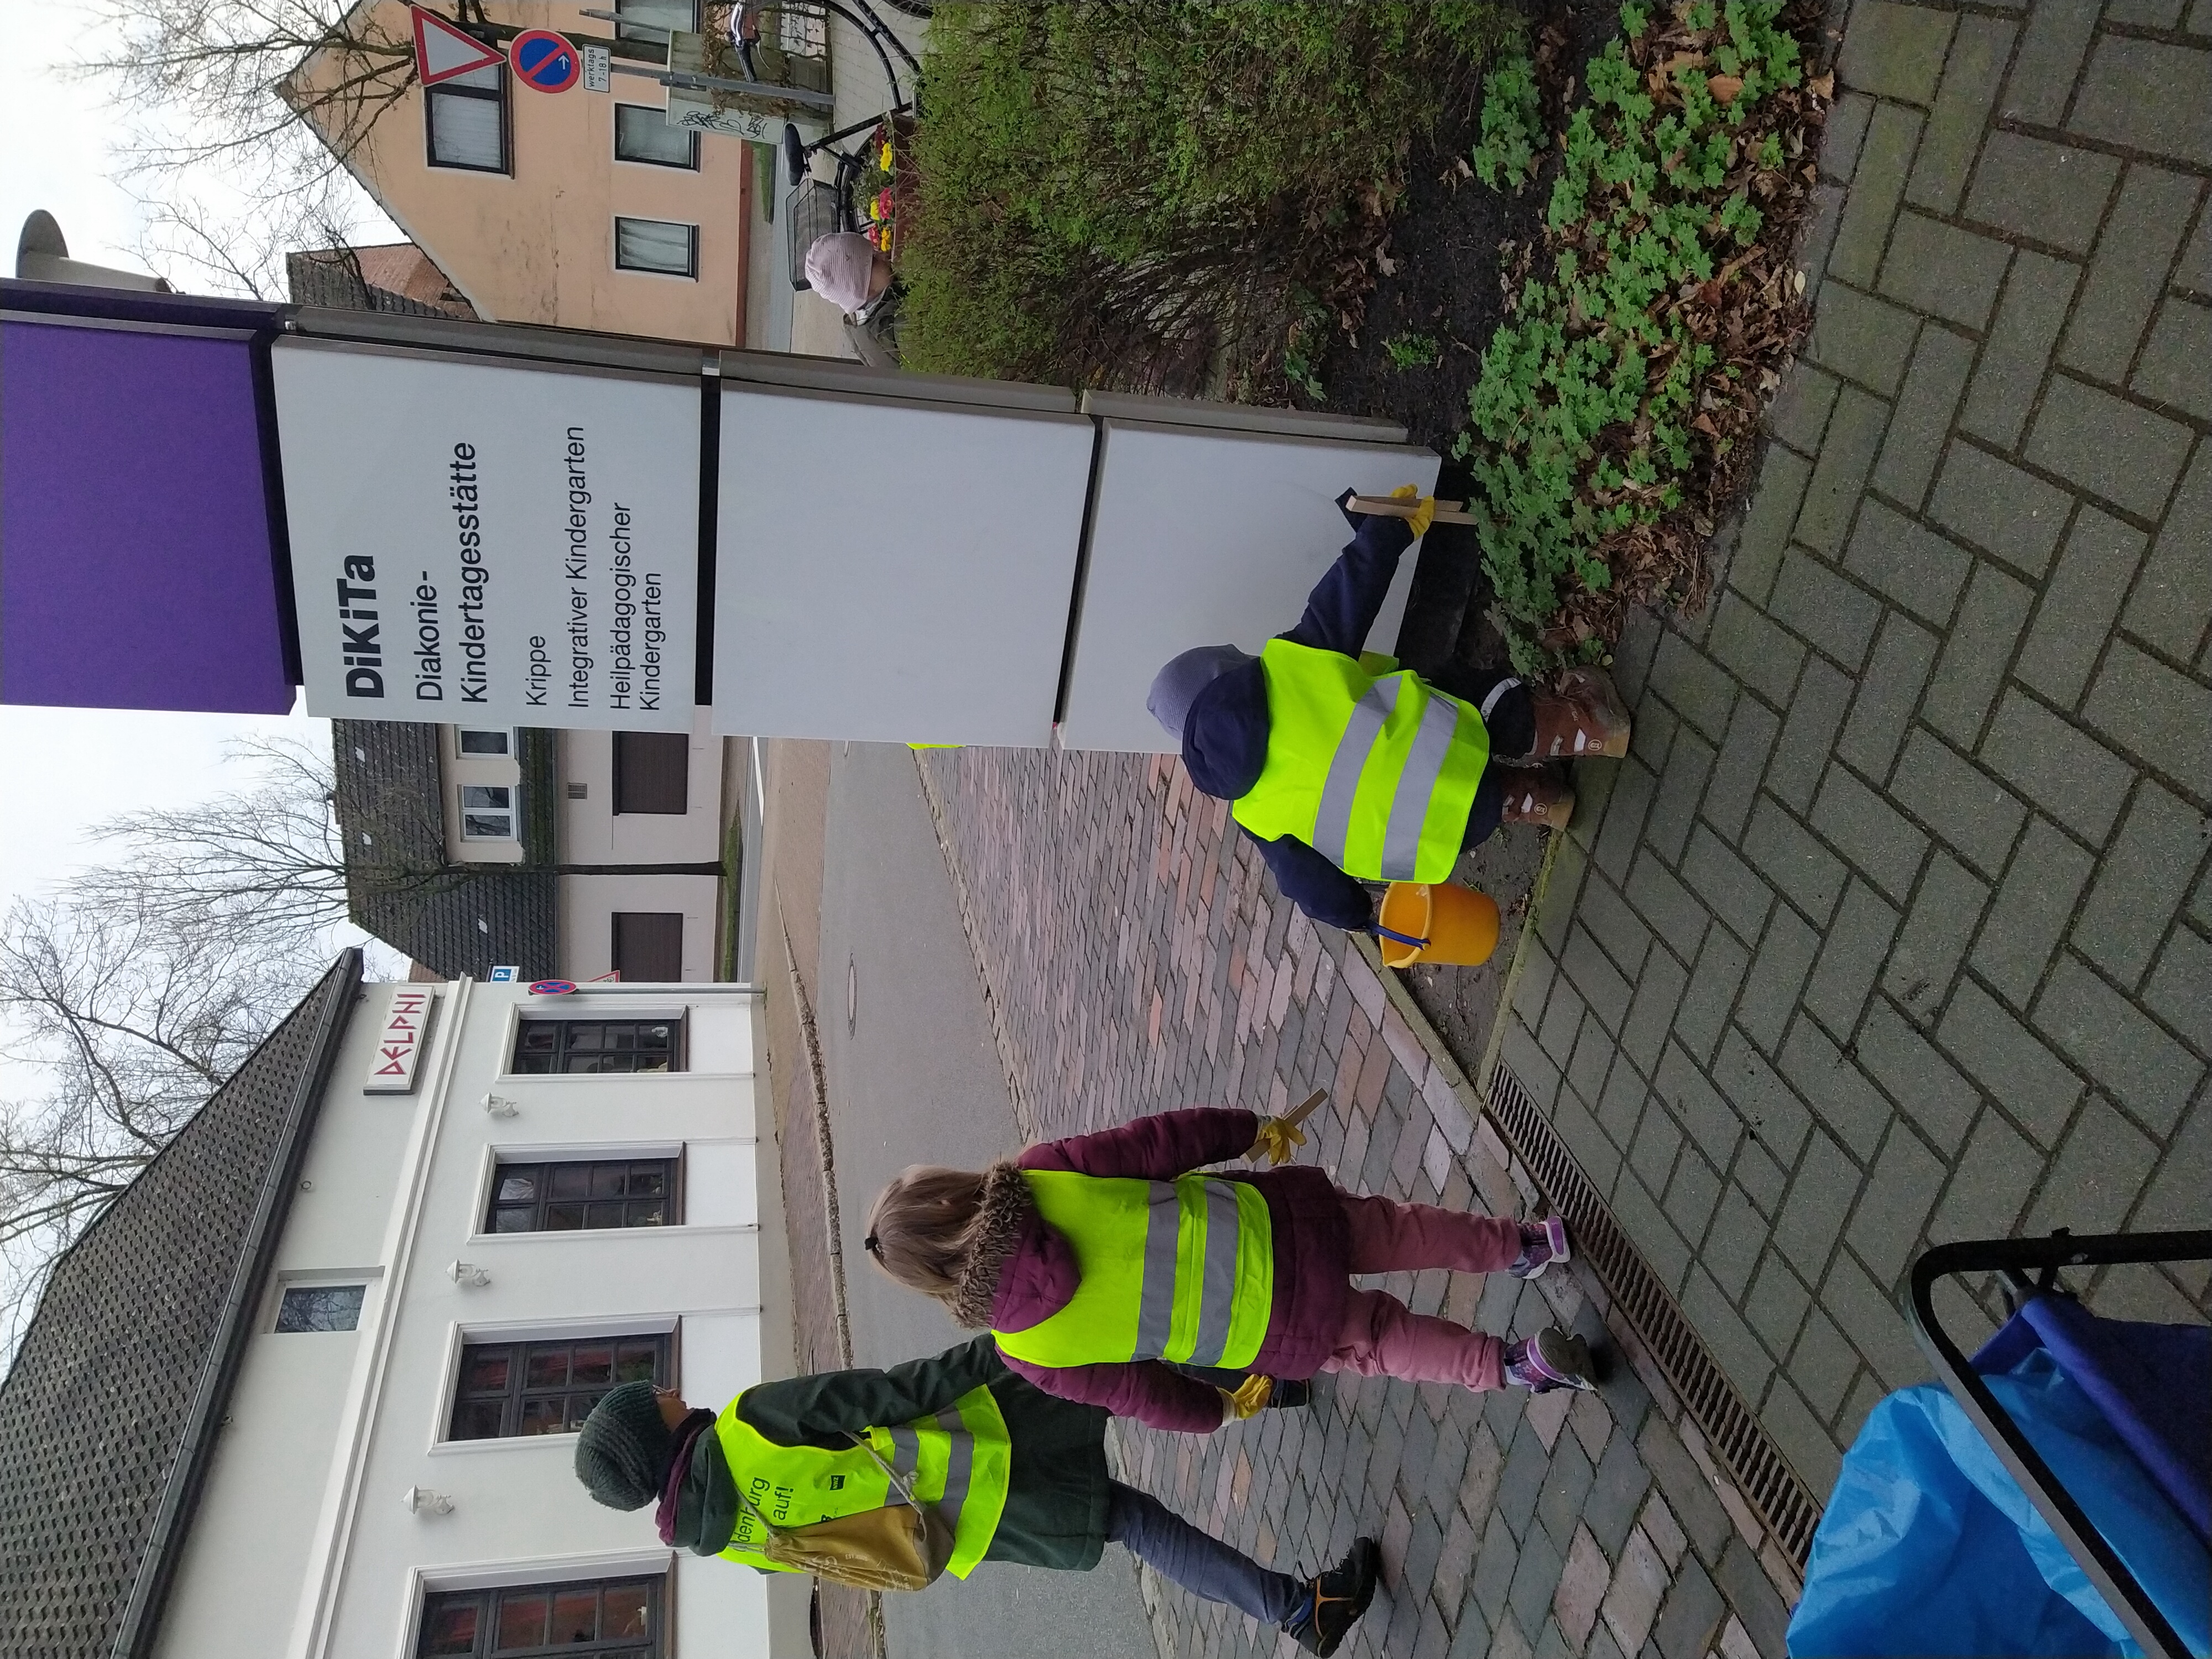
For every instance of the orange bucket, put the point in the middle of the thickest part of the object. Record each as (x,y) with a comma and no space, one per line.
(1459,925)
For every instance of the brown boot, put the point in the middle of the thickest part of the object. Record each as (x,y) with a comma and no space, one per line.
(1584,718)
(1538,798)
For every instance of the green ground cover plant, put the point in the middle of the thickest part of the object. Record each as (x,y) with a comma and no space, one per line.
(1616,405)
(1153,195)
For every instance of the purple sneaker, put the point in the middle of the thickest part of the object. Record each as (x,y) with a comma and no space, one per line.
(1542,1243)
(1550,1359)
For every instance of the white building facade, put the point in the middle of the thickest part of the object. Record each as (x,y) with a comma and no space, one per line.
(567,1192)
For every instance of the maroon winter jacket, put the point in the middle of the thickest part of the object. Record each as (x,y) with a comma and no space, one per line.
(1313,1273)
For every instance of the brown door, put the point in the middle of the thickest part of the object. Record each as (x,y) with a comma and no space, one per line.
(651,771)
(649,945)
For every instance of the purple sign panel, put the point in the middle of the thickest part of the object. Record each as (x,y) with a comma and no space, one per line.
(135,557)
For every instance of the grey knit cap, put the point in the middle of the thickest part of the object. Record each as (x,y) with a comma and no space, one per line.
(1176,686)
(622,1456)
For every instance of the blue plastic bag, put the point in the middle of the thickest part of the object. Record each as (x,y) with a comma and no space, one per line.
(1928,1546)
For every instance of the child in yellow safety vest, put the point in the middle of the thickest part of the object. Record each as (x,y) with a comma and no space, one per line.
(1344,767)
(1012,1474)
(1101,1263)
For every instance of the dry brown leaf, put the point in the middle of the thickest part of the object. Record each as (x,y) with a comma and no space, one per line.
(1384,263)
(1823,87)
(1725,88)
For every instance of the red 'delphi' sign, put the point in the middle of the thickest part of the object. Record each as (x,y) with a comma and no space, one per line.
(399,1040)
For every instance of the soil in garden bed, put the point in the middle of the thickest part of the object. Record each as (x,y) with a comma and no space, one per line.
(1438,278)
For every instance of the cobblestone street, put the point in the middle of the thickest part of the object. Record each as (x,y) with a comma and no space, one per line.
(1135,962)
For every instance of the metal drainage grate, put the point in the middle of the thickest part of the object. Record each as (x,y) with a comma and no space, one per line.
(1783,1501)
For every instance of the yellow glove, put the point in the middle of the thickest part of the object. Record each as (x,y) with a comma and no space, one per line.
(1423,515)
(1278,1141)
(1249,1399)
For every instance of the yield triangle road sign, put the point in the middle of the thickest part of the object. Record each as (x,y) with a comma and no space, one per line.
(444,53)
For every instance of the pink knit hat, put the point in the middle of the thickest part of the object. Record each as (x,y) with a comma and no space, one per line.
(838,268)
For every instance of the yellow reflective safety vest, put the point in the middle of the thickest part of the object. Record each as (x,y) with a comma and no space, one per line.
(1182,1270)
(1367,763)
(956,1460)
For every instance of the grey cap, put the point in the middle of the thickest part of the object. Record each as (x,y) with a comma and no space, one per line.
(1175,687)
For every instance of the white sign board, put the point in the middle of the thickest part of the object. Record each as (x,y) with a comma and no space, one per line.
(598,69)
(1203,536)
(694,110)
(488,543)
(399,1040)
(920,597)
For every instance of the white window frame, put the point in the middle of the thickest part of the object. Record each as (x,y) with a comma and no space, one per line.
(574,1006)
(322,1279)
(510,810)
(688,274)
(574,1151)
(583,1329)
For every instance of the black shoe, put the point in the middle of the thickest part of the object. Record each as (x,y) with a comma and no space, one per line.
(1288,1395)
(1333,1603)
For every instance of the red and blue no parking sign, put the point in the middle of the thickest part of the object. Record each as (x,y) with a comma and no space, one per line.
(544,60)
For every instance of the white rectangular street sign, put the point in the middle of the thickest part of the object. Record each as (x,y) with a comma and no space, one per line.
(598,69)
(479,541)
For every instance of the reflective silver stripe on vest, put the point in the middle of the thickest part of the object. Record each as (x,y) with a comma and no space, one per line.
(1333,823)
(960,1465)
(906,1452)
(1218,1293)
(1409,807)
(1156,1304)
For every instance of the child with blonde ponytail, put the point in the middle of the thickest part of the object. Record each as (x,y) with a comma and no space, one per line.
(1101,1263)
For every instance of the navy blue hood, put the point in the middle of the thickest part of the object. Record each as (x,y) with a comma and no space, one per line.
(1224,739)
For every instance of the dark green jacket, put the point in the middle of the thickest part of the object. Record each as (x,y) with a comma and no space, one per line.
(1055,1513)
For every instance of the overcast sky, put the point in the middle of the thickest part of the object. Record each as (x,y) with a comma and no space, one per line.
(71,767)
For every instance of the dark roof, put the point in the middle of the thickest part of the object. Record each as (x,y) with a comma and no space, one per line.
(132,1350)
(343,279)
(454,919)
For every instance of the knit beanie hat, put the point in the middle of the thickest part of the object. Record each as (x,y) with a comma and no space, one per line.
(1176,686)
(839,266)
(623,1454)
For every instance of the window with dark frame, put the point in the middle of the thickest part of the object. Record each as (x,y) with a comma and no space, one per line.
(602,1618)
(565,1196)
(509,1389)
(466,121)
(571,1047)
(652,771)
(642,134)
(648,946)
(319,1307)
(660,246)
(485,743)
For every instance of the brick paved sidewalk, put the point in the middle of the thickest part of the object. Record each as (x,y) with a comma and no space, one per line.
(1136,960)
(1892,929)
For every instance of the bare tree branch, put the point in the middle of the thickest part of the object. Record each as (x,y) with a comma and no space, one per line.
(265,102)
(138,988)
